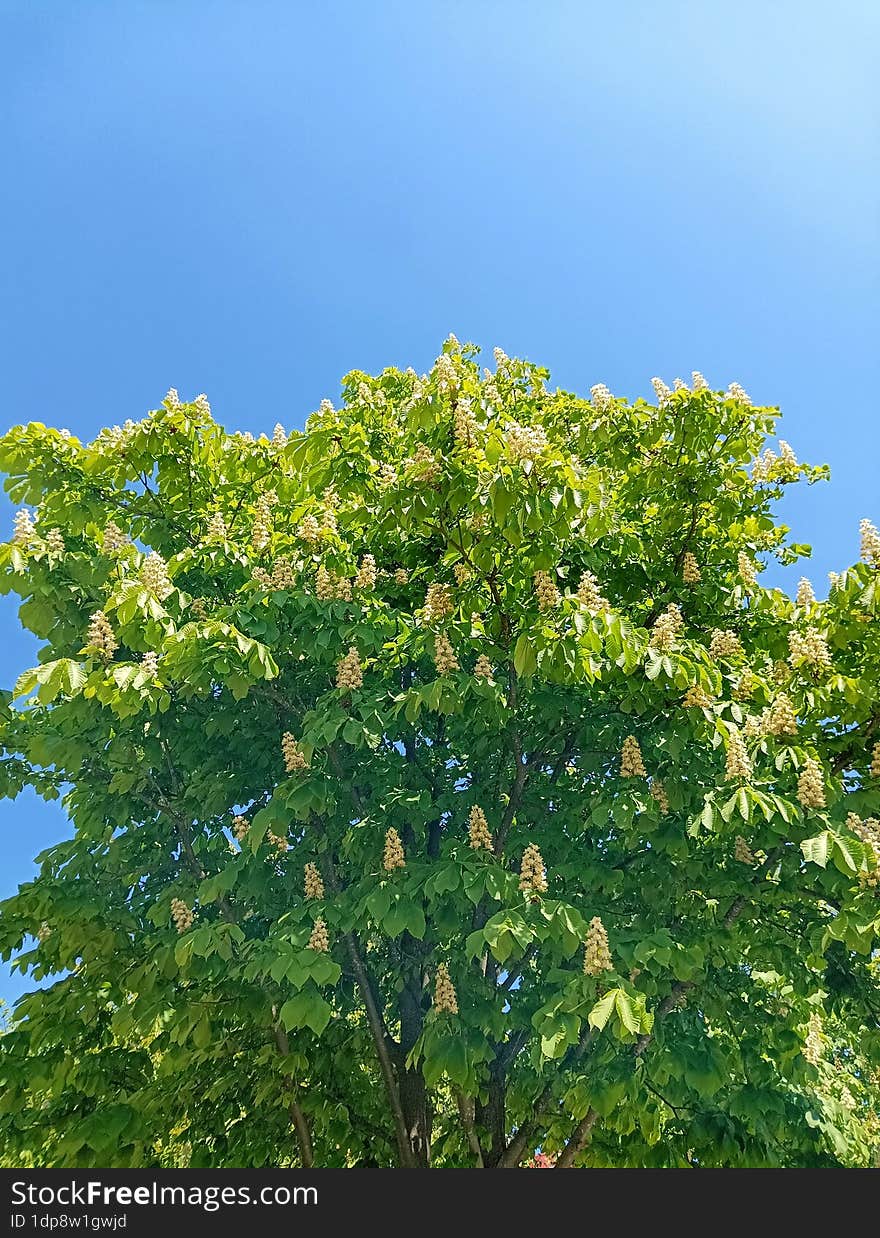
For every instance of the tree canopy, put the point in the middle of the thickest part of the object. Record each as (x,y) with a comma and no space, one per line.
(445,788)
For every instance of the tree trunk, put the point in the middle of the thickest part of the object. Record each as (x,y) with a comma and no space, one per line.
(491,1118)
(414,1098)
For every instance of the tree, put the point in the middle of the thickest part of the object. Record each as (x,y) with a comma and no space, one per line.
(445,788)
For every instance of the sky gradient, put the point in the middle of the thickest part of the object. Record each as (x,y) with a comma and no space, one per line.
(252,199)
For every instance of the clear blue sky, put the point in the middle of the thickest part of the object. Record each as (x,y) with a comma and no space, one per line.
(250,199)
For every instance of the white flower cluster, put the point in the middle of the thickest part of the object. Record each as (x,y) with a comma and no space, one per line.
(696,697)
(805,595)
(261,530)
(698,381)
(735,392)
(464,424)
(445,1000)
(545,591)
(314,886)
(423,466)
(294,759)
(746,568)
(690,569)
(661,391)
(393,856)
(100,636)
(867,830)
(483,667)
(349,674)
(532,874)
(216,531)
(55,542)
(525,442)
(811,785)
(597,956)
(666,628)
(601,398)
(116,438)
(724,644)
(813,1049)
(367,575)
(763,466)
(154,576)
(589,594)
(742,852)
(444,656)
(745,685)
(780,719)
(446,375)
(780,672)
(809,648)
(114,539)
(658,792)
(23,531)
(330,587)
(150,663)
(438,602)
(869,543)
(309,530)
(319,939)
(283,575)
(181,915)
(478,830)
(738,767)
(631,763)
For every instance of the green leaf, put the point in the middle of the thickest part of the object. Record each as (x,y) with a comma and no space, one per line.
(306,1009)
(524,658)
(601,1012)
(848,854)
(815,850)
(626,1014)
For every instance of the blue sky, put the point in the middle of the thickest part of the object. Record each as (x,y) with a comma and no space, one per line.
(252,199)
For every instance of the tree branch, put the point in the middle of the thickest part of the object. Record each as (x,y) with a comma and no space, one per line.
(579,1137)
(297,1117)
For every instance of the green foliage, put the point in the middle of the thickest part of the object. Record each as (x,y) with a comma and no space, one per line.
(736,1023)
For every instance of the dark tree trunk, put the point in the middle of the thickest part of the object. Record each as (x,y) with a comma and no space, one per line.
(491,1118)
(414,1097)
